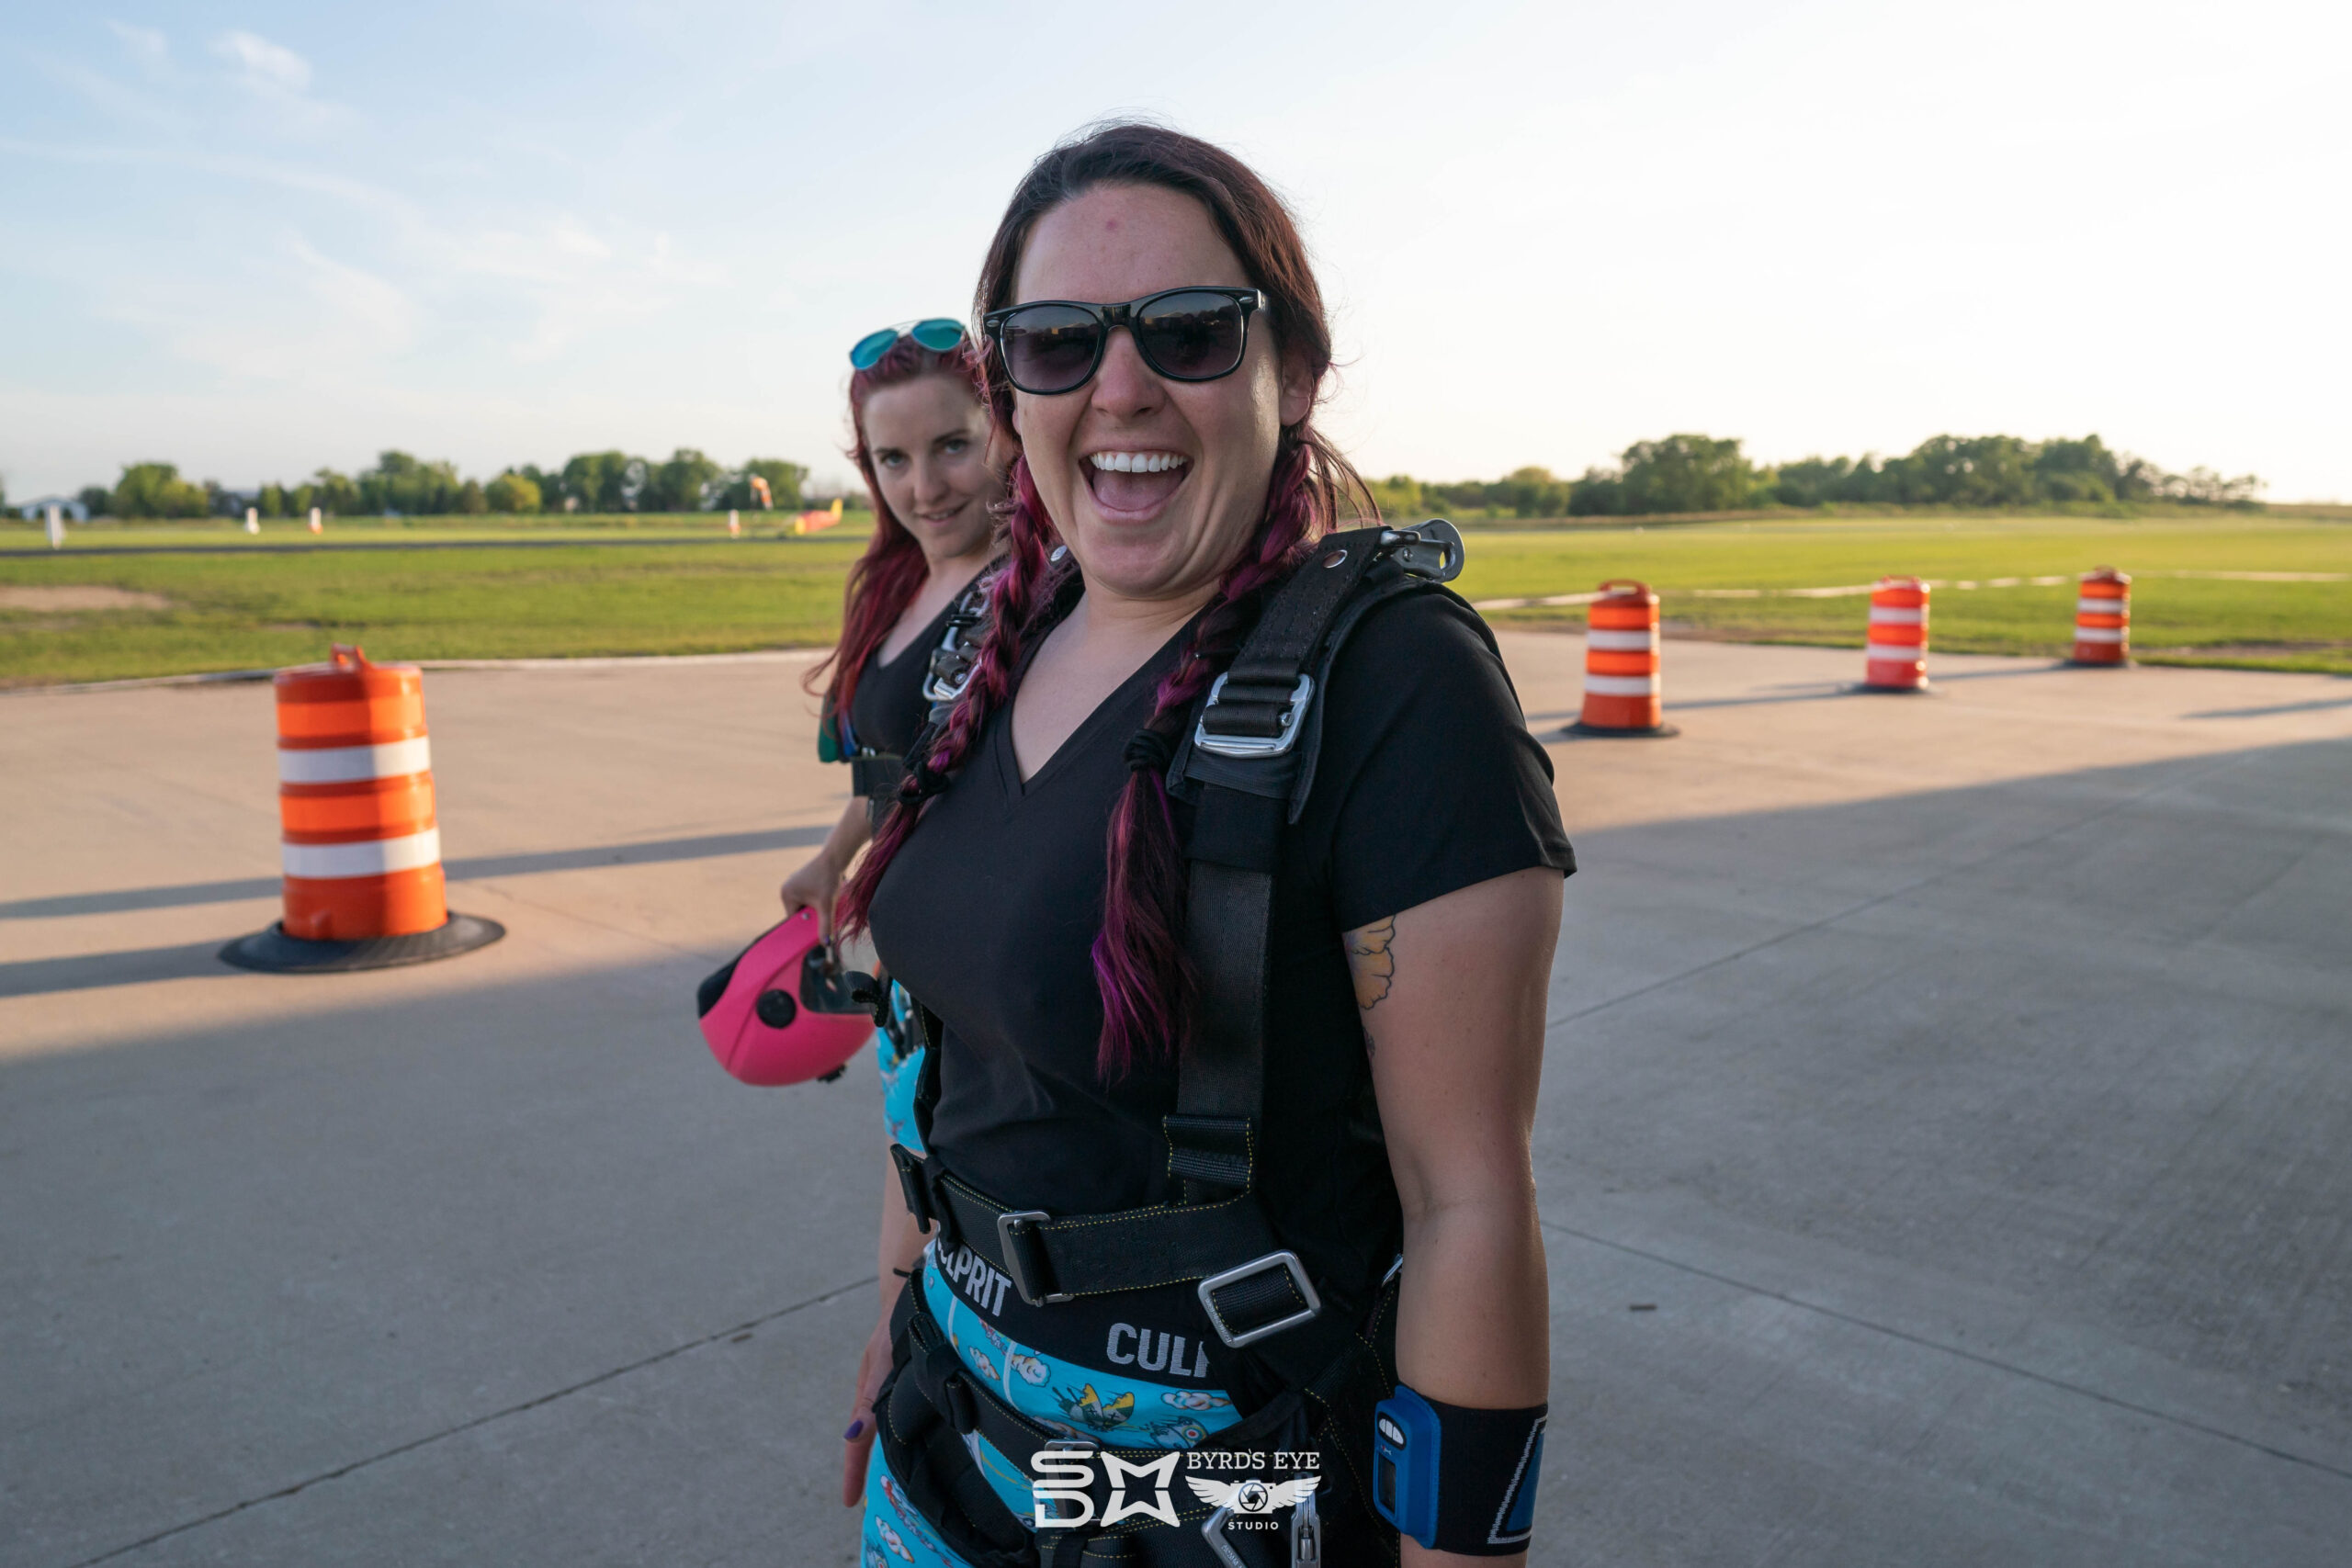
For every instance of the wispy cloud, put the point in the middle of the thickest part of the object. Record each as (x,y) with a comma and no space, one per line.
(118,100)
(276,82)
(270,68)
(316,321)
(561,278)
(145,45)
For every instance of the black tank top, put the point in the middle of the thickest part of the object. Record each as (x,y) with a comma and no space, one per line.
(889,706)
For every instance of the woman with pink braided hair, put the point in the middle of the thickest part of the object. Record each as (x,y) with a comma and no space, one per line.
(1157,347)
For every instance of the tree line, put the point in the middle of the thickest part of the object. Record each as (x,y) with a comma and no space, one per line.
(1680,473)
(408,486)
(1702,473)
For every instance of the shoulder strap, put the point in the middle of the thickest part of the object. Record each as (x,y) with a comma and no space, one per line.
(1246,766)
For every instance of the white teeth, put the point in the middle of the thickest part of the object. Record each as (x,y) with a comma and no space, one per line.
(1136,462)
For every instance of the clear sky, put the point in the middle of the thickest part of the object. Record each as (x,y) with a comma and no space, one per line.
(257,238)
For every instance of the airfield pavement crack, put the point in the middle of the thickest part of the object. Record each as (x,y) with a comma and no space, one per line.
(480,1421)
(1991,1362)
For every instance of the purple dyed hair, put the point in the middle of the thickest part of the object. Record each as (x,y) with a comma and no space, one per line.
(1147,985)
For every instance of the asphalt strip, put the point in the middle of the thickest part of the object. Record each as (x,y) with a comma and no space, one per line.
(622,662)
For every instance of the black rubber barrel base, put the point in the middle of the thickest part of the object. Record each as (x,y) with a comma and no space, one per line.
(2101,663)
(1581,730)
(274,952)
(1924,689)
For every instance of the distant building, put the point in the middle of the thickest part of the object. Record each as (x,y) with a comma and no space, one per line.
(35,511)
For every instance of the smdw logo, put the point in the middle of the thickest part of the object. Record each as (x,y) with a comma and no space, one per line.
(1067,1475)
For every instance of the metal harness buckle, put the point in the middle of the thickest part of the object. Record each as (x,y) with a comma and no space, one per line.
(1431,550)
(1285,1260)
(1253,745)
(1012,1230)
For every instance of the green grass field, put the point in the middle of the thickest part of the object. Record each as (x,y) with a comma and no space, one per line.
(641,585)
(2188,619)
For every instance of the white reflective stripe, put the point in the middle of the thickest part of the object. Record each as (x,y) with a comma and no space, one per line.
(343,765)
(1623,685)
(1897,616)
(1880,653)
(1623,642)
(2098,634)
(2099,606)
(373,858)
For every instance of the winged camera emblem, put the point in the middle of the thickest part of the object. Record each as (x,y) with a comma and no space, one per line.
(1253,1496)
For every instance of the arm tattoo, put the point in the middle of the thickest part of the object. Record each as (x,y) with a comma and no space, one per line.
(1372,958)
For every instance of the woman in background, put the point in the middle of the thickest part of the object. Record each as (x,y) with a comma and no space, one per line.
(919,415)
(917,410)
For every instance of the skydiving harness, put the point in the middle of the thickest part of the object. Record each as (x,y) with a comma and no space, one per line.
(1247,765)
(875,774)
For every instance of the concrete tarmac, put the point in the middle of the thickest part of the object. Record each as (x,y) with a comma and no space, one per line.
(1943,1148)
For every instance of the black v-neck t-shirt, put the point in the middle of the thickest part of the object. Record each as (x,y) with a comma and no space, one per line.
(1427,783)
(888,709)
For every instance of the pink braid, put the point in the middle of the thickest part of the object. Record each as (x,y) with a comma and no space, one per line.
(1140,967)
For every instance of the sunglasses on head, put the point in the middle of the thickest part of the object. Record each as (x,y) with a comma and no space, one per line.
(936,333)
(1051,346)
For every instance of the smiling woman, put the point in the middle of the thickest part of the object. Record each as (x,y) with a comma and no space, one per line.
(1229,1096)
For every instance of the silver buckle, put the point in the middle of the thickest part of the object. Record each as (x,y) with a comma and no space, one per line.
(1212,1531)
(1413,548)
(1254,745)
(1013,1267)
(1285,1259)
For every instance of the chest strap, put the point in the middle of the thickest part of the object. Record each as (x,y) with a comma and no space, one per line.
(1249,1285)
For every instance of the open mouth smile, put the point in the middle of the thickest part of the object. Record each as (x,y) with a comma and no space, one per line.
(1134,484)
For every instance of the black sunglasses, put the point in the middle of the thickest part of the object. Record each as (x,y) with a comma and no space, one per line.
(1051,346)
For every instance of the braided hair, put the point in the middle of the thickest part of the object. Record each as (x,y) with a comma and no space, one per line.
(1147,985)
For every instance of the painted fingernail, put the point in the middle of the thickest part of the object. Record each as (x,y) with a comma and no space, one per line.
(854,1428)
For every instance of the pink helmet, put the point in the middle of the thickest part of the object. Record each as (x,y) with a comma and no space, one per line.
(782,1012)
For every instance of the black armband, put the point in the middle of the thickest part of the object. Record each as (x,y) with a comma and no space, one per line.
(1456,1479)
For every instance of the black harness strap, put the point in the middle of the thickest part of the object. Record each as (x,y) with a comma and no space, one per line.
(877,775)
(1250,726)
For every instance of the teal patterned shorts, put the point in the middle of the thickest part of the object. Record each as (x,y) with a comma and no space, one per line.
(899,1076)
(1065,1396)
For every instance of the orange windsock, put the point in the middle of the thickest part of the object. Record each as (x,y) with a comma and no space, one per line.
(2103,617)
(361,848)
(1896,657)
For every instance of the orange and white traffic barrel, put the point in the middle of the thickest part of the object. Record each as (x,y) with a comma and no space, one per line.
(360,846)
(1896,657)
(1623,690)
(2103,617)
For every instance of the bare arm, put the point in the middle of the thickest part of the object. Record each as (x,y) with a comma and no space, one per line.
(1452,993)
(815,883)
(900,1245)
